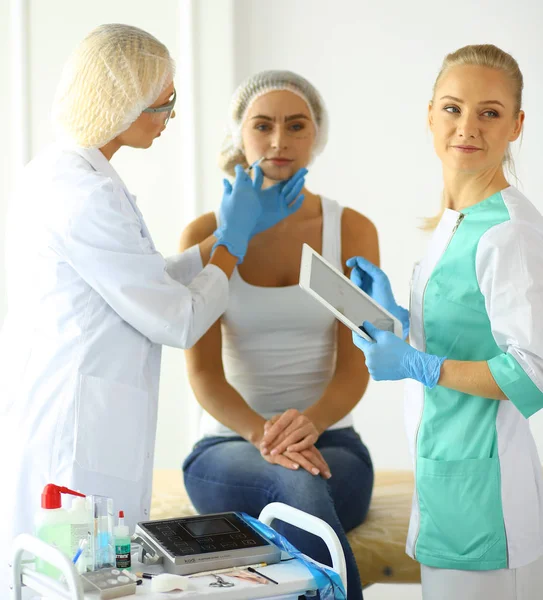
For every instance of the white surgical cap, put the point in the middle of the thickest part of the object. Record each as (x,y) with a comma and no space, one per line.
(258,85)
(114,74)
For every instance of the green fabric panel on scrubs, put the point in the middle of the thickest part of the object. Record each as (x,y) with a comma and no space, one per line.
(461,523)
(458,426)
(458,474)
(516,384)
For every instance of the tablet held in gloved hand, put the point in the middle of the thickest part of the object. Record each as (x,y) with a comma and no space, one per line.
(347,302)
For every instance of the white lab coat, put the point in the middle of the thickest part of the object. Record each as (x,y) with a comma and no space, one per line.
(90,304)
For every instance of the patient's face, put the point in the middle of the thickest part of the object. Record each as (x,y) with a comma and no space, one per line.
(279,127)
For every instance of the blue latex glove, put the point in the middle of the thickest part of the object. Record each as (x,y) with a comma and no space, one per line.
(389,358)
(239,213)
(375,283)
(280,200)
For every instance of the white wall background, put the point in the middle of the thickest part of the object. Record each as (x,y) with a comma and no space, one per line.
(374,64)
(5,147)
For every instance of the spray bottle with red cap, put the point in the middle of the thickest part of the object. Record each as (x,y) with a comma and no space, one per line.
(52,524)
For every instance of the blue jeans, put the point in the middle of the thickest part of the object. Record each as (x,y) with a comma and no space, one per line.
(229,474)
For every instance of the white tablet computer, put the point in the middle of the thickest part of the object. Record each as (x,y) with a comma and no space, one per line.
(346,301)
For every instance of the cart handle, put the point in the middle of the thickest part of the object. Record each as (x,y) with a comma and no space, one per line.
(316,526)
(43,584)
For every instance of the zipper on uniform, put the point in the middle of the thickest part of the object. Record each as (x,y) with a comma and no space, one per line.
(456,226)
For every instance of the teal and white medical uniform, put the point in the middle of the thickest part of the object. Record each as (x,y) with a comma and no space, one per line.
(477,295)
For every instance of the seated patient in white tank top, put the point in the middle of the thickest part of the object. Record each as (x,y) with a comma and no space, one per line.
(277,376)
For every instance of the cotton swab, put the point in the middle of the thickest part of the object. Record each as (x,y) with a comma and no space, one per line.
(255,164)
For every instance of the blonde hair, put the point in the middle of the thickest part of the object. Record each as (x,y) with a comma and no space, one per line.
(492,57)
(112,76)
(228,159)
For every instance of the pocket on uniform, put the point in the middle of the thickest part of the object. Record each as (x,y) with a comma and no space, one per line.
(461,515)
(110,428)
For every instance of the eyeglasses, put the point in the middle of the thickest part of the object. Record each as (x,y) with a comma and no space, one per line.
(165,108)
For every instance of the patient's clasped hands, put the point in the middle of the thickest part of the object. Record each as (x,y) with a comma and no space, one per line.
(289,440)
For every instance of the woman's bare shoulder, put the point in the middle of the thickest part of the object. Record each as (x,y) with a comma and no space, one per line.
(198,230)
(358,236)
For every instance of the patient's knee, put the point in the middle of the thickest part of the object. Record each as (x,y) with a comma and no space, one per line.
(304,491)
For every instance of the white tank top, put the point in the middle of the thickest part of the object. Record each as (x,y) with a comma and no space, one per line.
(278,343)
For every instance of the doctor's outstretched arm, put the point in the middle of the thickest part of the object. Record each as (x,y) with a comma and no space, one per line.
(105,245)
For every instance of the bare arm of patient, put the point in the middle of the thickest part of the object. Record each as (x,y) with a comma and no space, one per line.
(207,377)
(296,431)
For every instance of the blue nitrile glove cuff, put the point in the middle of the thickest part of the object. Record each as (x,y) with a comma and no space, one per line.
(238,249)
(388,358)
(424,367)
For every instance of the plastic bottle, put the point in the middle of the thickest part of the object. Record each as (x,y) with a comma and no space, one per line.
(52,525)
(122,544)
(80,526)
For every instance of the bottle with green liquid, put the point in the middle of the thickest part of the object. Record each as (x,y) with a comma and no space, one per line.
(123,559)
(52,524)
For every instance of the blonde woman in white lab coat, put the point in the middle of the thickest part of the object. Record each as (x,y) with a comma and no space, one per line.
(91,301)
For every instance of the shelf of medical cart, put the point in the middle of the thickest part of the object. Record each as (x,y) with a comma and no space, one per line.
(292,576)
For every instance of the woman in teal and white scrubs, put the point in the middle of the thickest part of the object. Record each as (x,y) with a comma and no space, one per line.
(474,361)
